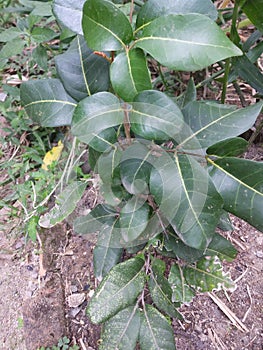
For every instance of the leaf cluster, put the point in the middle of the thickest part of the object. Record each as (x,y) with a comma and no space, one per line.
(170,168)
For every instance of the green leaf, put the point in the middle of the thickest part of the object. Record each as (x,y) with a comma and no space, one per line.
(129,74)
(9,34)
(157,8)
(228,148)
(122,330)
(119,289)
(246,70)
(188,96)
(207,275)
(107,252)
(82,72)
(40,56)
(69,13)
(66,202)
(182,250)
(211,122)
(43,34)
(187,198)
(161,291)
(112,194)
(155,116)
(240,183)
(134,218)
(104,141)
(186,42)
(253,9)
(105,26)
(47,103)
(135,168)
(225,223)
(222,248)
(12,48)
(108,166)
(181,292)
(156,332)
(101,215)
(95,114)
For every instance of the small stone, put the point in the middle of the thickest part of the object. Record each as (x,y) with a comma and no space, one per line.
(76,299)
(73,288)
(259,254)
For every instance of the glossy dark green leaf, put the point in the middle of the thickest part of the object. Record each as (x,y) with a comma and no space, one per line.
(81,71)
(104,141)
(240,183)
(129,74)
(182,250)
(225,223)
(188,199)
(208,275)
(105,26)
(118,290)
(101,215)
(188,96)
(134,218)
(211,122)
(69,13)
(107,252)
(253,9)
(246,70)
(181,292)
(95,114)
(122,330)
(93,157)
(66,202)
(254,54)
(135,168)
(112,194)
(157,8)
(161,291)
(155,116)
(47,103)
(186,42)
(108,166)
(156,332)
(222,248)
(228,148)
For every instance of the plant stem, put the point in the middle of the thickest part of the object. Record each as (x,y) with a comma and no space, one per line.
(227,70)
(213,76)
(256,133)
(131,10)
(228,61)
(126,125)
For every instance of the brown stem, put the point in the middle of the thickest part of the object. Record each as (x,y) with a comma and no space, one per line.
(131,10)
(127,125)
